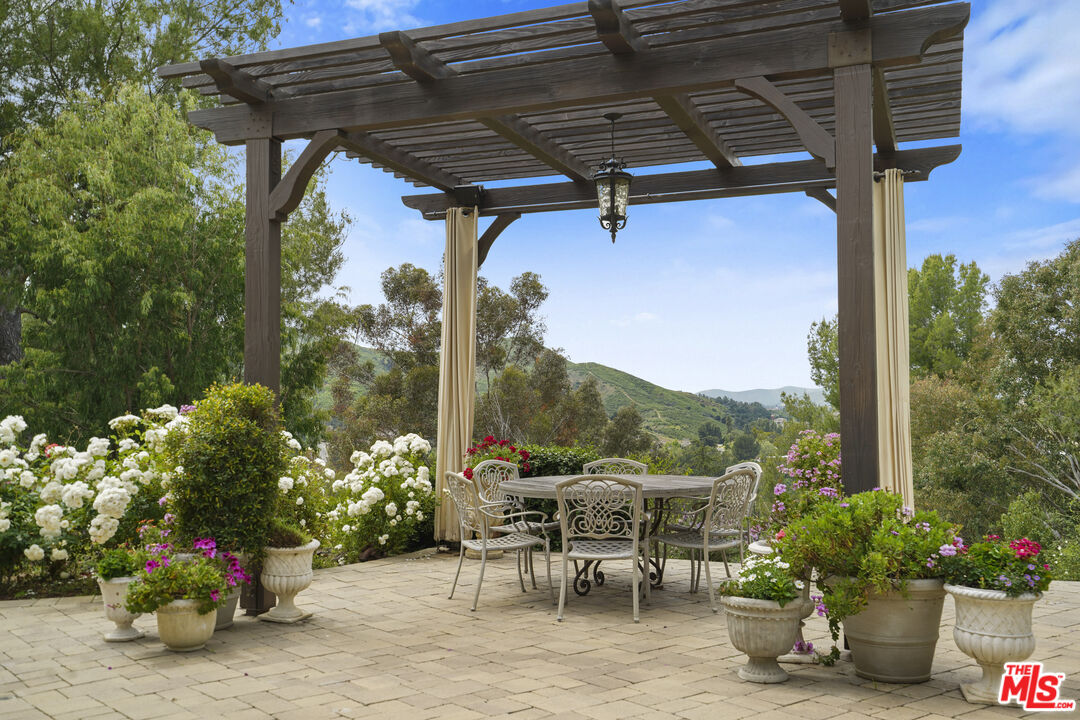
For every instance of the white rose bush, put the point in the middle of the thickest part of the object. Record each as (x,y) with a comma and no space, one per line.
(385,501)
(57,502)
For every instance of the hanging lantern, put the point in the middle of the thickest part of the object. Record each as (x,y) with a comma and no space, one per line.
(612,187)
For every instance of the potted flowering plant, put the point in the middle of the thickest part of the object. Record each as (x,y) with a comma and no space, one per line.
(811,471)
(184,593)
(879,570)
(491,449)
(995,585)
(763,611)
(115,571)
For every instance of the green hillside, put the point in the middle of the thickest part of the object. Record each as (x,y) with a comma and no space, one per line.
(669,414)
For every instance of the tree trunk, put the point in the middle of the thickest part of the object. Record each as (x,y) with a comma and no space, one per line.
(10,336)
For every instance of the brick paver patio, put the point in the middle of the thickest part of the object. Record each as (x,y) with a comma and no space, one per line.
(386,642)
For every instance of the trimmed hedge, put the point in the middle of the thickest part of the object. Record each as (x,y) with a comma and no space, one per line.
(555,460)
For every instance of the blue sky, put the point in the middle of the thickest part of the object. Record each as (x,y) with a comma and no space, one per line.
(721,293)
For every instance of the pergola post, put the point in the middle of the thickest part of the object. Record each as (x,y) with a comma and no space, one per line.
(262,271)
(457,359)
(857,336)
(262,298)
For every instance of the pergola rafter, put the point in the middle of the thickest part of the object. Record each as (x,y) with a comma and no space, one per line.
(523,96)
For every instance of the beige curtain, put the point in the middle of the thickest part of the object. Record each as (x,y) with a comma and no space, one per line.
(457,361)
(893,358)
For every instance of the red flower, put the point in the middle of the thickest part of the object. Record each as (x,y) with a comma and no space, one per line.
(468,473)
(524,454)
(527,468)
(502,458)
(504,443)
(780,535)
(489,439)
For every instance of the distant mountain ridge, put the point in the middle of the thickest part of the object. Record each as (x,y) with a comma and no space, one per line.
(769,397)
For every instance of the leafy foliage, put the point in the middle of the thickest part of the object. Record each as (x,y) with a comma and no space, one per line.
(232,452)
(763,577)
(116,562)
(556,460)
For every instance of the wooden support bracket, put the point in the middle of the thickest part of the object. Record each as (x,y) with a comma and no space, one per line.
(236,83)
(483,245)
(815,138)
(288,193)
(822,194)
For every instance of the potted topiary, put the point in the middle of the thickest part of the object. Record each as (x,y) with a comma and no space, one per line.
(763,609)
(879,570)
(995,585)
(183,593)
(115,571)
(228,457)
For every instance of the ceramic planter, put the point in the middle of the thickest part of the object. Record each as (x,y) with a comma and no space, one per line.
(893,639)
(285,572)
(227,612)
(992,629)
(182,628)
(764,631)
(113,595)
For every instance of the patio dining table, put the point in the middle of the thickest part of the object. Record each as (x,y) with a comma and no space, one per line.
(656,489)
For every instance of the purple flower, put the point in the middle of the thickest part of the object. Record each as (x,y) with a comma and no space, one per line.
(845,504)
(780,489)
(162,500)
(185,409)
(924,526)
(828,492)
(930,562)
(152,565)
(907,512)
(169,517)
(947,550)
(214,595)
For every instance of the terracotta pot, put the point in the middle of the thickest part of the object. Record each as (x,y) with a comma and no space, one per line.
(285,572)
(182,628)
(893,639)
(992,629)
(113,595)
(764,631)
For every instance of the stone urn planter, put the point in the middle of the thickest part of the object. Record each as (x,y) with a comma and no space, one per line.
(113,595)
(893,639)
(764,631)
(992,629)
(182,628)
(286,572)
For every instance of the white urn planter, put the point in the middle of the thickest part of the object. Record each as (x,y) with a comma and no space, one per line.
(182,628)
(992,629)
(113,595)
(764,631)
(893,639)
(286,572)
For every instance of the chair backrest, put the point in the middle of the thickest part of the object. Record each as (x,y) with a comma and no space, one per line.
(489,477)
(757,477)
(465,495)
(599,507)
(730,500)
(615,466)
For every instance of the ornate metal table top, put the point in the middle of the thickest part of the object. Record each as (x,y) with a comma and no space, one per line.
(653,486)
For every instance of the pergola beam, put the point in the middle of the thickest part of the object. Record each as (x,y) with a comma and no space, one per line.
(388,156)
(898,38)
(884,130)
(855,10)
(676,187)
(425,68)
(616,32)
(237,83)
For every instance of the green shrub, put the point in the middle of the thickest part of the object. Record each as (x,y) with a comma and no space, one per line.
(1027,517)
(286,535)
(232,453)
(554,460)
(116,562)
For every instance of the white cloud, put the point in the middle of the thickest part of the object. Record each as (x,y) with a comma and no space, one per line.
(314,22)
(1050,237)
(1061,185)
(381,15)
(1021,72)
(937,224)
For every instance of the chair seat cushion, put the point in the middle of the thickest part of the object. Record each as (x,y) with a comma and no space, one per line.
(695,538)
(613,549)
(513,541)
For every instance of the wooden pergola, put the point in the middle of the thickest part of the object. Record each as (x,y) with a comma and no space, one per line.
(522,96)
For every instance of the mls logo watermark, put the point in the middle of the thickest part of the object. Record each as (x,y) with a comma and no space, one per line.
(1027,684)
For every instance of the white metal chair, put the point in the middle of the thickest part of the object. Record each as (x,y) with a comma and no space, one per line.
(615,466)
(600,517)
(489,476)
(474,516)
(716,526)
